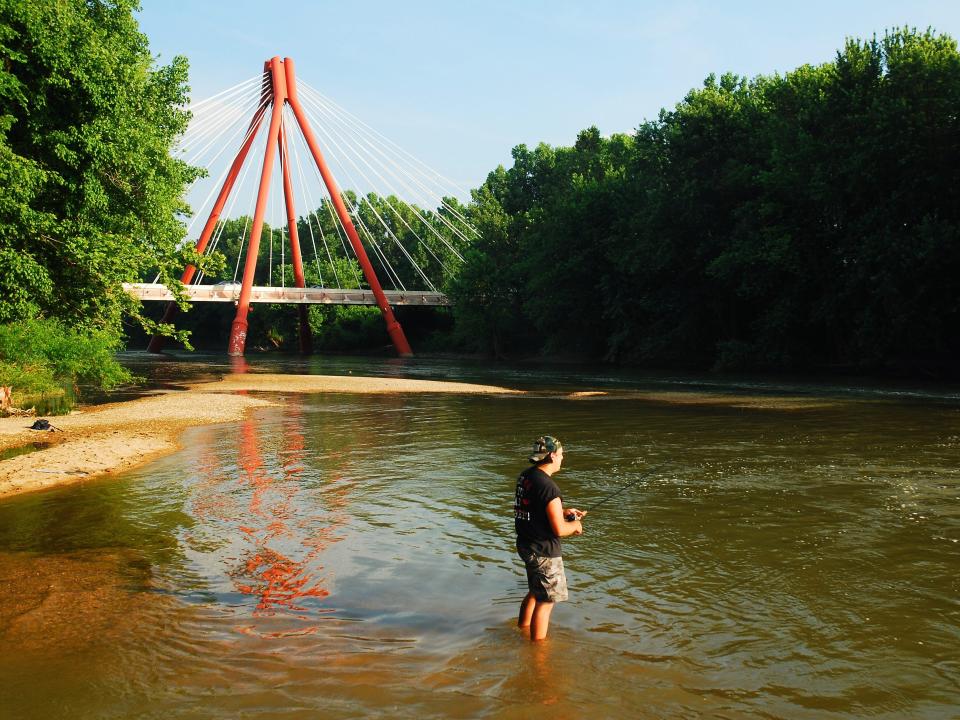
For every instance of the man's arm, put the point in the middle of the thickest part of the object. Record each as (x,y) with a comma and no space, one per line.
(561,526)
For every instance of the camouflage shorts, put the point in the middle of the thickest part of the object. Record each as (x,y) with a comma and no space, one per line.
(545,577)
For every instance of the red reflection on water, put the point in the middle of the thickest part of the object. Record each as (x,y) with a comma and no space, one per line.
(280,568)
(209,499)
(239,364)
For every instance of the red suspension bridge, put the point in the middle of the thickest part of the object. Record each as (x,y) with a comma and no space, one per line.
(416,241)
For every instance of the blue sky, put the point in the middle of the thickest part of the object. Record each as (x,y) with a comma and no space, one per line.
(458,84)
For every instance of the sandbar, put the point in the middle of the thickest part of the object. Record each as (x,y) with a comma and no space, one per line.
(709,399)
(109,438)
(268,382)
(105,439)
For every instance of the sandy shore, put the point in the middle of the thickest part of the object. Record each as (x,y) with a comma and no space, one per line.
(113,438)
(345,384)
(109,438)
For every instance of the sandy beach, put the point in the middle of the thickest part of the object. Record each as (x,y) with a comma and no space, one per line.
(96,441)
(344,384)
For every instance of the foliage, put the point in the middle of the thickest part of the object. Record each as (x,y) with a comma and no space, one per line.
(89,194)
(27,379)
(41,355)
(485,293)
(344,328)
(803,220)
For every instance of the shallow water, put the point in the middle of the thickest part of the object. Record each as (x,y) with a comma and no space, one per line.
(13,452)
(349,556)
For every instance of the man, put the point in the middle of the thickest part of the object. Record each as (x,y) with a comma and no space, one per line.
(540,522)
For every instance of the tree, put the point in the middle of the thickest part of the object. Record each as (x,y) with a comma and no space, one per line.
(486,290)
(89,194)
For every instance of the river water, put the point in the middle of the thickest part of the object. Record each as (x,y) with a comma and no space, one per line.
(796,555)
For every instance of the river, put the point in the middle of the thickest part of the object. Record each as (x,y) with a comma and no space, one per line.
(796,555)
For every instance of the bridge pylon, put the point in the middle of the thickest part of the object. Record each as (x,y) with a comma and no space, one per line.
(279,89)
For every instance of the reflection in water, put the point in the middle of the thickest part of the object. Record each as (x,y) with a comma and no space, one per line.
(278,563)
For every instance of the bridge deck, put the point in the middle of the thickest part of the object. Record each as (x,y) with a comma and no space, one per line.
(230,292)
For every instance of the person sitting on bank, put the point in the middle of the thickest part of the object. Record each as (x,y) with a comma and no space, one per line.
(540,522)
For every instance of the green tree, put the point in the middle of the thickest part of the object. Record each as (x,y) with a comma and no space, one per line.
(568,244)
(486,292)
(89,194)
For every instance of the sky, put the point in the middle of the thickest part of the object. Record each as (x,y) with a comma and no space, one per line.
(458,84)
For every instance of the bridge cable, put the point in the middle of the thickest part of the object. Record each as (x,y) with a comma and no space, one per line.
(429,195)
(342,234)
(222,223)
(343,171)
(312,210)
(258,79)
(215,187)
(381,254)
(388,142)
(203,121)
(364,231)
(243,241)
(354,206)
(211,126)
(413,208)
(337,224)
(272,200)
(370,138)
(199,212)
(384,260)
(248,228)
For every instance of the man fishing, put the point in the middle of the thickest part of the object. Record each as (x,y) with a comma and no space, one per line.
(540,522)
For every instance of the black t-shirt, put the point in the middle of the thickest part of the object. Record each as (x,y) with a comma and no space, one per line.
(535,489)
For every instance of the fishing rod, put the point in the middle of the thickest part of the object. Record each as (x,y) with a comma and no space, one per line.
(627,486)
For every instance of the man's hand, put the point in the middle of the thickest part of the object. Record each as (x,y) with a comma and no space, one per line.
(564,521)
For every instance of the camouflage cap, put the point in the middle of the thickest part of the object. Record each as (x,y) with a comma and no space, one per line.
(543,446)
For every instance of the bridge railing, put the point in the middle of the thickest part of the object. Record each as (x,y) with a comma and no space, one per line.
(230,292)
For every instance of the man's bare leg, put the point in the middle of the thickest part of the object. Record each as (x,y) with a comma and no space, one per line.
(526,610)
(540,622)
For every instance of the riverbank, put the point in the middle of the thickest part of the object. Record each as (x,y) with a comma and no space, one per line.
(109,438)
(106,439)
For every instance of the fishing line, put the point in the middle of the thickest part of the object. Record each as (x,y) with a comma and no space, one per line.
(627,486)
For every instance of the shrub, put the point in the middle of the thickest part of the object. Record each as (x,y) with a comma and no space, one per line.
(39,355)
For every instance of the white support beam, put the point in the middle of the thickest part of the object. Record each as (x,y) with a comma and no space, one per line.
(229,292)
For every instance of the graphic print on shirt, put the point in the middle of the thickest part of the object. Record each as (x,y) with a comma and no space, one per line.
(521,504)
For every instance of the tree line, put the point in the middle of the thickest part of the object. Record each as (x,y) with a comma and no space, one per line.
(804,220)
